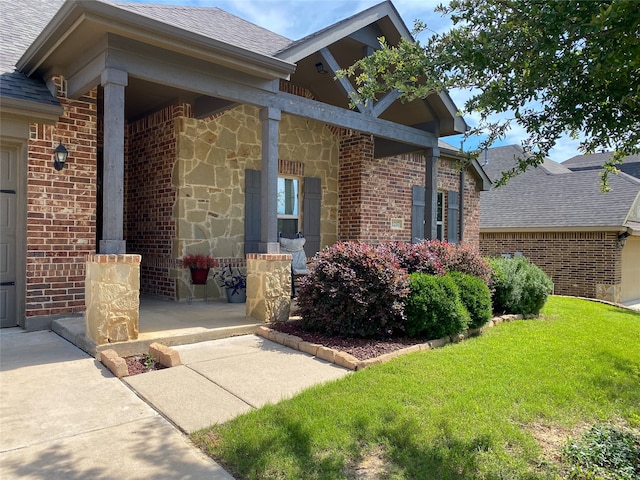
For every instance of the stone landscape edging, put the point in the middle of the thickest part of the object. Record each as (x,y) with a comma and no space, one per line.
(170,357)
(166,356)
(350,362)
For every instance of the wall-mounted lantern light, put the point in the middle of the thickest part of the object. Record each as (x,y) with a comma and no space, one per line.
(320,68)
(60,155)
(622,239)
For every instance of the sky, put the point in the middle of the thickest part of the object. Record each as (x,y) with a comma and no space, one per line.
(295,19)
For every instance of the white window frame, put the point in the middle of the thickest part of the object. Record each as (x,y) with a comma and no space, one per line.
(298,207)
(440,214)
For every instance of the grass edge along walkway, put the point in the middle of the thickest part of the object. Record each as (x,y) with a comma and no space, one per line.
(471,410)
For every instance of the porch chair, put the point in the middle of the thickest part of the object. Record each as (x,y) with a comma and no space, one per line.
(295,246)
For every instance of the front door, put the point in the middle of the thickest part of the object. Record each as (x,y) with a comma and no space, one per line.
(8,230)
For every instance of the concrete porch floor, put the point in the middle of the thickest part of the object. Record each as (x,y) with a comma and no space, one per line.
(167,322)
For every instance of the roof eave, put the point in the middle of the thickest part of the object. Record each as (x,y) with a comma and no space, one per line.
(486,181)
(459,124)
(158,33)
(30,110)
(555,228)
(343,29)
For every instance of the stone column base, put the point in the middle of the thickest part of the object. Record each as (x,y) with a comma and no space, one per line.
(112,298)
(269,287)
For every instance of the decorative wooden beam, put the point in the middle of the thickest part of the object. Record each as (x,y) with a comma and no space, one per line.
(343,82)
(384,103)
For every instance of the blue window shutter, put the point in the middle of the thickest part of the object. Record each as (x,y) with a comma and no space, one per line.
(417,214)
(253,209)
(311,210)
(453,216)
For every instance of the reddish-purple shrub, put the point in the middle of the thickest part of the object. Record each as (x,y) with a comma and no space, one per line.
(354,289)
(414,257)
(465,259)
(457,258)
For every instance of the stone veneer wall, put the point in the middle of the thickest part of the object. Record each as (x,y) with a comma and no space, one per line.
(213,155)
(375,190)
(61,208)
(584,264)
(150,226)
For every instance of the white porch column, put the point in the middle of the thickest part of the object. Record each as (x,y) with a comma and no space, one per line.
(431,193)
(114,81)
(270,118)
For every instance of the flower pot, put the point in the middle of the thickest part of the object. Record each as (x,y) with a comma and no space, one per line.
(240,295)
(199,276)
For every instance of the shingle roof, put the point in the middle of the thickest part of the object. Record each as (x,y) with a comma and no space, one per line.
(214,23)
(553,196)
(630,165)
(20,24)
(500,159)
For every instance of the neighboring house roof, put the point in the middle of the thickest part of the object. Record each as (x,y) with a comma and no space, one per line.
(630,165)
(552,197)
(16,35)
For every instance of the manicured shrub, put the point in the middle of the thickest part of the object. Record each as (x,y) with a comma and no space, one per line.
(475,296)
(437,258)
(519,286)
(354,290)
(462,258)
(414,257)
(434,308)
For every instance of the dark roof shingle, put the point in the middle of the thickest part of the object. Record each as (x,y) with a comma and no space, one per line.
(20,24)
(214,23)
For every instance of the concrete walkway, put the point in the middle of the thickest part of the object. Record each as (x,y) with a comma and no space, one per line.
(63,415)
(221,379)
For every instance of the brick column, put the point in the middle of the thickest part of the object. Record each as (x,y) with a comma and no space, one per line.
(112,296)
(269,287)
(356,152)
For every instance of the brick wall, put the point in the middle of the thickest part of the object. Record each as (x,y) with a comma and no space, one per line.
(577,262)
(150,228)
(373,191)
(61,208)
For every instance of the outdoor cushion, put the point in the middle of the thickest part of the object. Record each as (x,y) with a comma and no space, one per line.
(295,246)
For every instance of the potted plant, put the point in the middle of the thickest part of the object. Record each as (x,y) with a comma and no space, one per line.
(234,283)
(199,264)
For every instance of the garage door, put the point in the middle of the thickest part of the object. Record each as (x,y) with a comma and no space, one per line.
(631,269)
(8,230)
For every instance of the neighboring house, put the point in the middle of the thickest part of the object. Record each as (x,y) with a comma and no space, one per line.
(630,165)
(587,241)
(190,130)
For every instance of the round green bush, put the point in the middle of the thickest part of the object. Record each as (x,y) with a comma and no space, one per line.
(519,286)
(434,308)
(354,290)
(475,296)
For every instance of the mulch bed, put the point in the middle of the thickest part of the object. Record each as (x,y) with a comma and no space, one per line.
(361,348)
(138,364)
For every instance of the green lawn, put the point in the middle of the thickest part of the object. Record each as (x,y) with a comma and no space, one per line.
(466,411)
